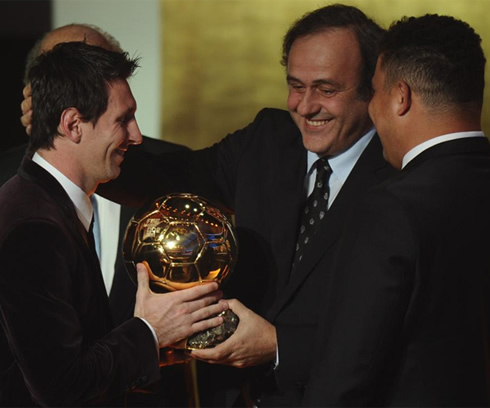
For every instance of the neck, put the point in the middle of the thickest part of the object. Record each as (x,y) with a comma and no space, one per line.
(68,166)
(422,125)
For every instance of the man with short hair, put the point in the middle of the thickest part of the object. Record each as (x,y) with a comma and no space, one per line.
(58,343)
(407,319)
(264,173)
(111,217)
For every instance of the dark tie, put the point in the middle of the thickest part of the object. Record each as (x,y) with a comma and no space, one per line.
(314,210)
(95,226)
(90,237)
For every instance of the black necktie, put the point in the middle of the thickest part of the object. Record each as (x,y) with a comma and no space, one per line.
(90,237)
(314,210)
(95,226)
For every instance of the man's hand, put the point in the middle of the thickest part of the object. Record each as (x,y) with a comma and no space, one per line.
(253,343)
(26,107)
(177,315)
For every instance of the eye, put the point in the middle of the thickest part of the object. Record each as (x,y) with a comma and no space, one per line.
(296,87)
(126,119)
(327,91)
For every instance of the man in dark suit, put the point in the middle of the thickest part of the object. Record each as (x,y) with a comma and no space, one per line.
(112,219)
(58,343)
(407,322)
(122,289)
(263,173)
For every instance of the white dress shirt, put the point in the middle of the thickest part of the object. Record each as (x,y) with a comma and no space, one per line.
(341,166)
(410,155)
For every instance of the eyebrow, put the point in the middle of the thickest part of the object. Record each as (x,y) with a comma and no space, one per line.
(322,81)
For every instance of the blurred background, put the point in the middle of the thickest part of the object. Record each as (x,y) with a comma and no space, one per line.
(208,66)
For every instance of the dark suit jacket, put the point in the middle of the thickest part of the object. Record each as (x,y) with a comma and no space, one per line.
(407,320)
(123,289)
(62,346)
(259,173)
(172,388)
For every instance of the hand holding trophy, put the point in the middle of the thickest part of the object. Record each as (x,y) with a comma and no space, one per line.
(185,240)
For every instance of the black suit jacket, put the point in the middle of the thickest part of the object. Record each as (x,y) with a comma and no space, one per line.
(58,345)
(258,172)
(171,389)
(123,290)
(407,320)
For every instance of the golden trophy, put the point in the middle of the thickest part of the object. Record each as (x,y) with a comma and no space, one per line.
(185,240)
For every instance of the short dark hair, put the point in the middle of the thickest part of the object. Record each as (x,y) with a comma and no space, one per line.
(440,57)
(76,75)
(367,32)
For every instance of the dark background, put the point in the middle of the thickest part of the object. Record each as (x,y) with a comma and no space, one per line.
(22,22)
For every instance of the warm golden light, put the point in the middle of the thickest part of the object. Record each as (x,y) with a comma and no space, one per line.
(221,57)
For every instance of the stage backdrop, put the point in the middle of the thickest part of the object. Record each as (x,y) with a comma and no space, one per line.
(220,58)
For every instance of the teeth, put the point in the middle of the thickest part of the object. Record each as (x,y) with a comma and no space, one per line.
(316,122)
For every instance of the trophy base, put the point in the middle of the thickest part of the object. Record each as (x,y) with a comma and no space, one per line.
(211,337)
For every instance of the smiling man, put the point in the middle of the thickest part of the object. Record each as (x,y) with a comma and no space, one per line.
(407,322)
(266,173)
(58,345)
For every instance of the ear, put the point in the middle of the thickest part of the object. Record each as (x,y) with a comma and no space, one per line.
(404,97)
(70,124)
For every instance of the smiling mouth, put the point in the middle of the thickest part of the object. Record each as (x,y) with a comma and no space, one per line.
(316,123)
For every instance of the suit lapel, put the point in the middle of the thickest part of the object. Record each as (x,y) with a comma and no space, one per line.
(369,169)
(287,190)
(36,174)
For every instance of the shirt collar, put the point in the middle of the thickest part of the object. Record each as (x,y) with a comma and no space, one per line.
(343,163)
(410,155)
(80,199)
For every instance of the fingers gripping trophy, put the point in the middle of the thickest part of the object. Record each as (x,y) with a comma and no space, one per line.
(185,240)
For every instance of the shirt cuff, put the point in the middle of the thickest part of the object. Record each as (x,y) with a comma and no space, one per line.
(276,362)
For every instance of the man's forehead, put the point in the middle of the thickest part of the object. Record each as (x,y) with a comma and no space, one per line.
(120,94)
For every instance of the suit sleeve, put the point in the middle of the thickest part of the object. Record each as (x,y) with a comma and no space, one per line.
(210,172)
(368,297)
(63,359)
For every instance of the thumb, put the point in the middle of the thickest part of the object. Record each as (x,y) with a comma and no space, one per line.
(143,289)
(142,275)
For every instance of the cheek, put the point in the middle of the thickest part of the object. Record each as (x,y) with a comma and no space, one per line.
(293,100)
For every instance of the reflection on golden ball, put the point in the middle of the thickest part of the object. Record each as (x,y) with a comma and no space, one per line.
(185,240)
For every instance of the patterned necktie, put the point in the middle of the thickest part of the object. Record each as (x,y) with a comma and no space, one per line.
(314,210)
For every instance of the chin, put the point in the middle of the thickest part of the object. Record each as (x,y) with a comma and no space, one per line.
(317,148)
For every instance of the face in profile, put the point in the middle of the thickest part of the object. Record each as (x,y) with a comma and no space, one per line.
(323,75)
(116,129)
(380,111)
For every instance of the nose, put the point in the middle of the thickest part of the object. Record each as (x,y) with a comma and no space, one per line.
(135,137)
(308,104)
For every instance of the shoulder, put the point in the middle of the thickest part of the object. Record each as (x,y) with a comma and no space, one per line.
(274,126)
(277,117)
(157,146)
(26,203)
